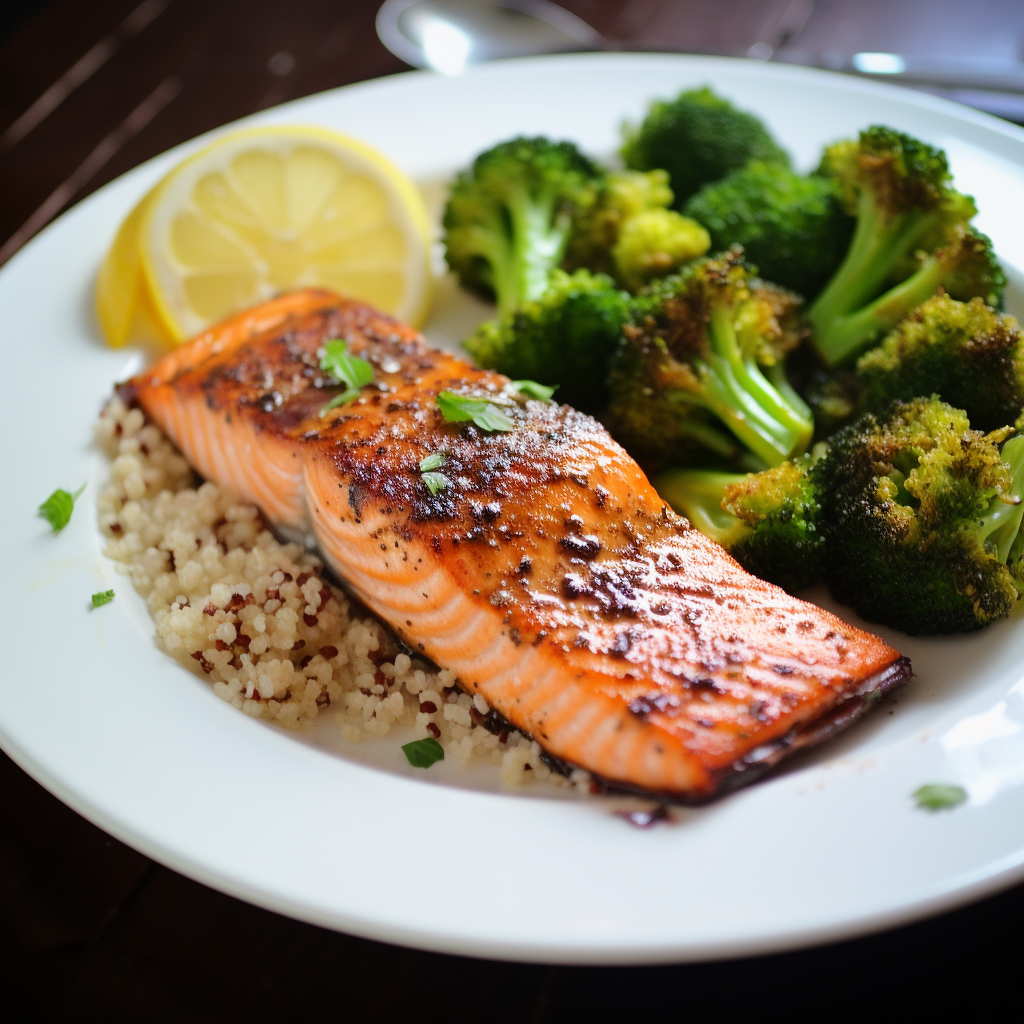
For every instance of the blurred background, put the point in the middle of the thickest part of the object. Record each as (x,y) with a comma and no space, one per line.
(87,91)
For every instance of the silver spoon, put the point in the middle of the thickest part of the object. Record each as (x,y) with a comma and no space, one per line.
(446,35)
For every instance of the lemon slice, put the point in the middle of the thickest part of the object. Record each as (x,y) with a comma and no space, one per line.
(270,210)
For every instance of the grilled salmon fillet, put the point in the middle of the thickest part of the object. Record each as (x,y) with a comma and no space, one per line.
(548,574)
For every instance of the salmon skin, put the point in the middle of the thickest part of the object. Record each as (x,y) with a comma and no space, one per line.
(548,574)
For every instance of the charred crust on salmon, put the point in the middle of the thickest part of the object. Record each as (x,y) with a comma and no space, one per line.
(547,570)
(761,759)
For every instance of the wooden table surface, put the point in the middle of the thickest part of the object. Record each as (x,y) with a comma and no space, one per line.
(87,91)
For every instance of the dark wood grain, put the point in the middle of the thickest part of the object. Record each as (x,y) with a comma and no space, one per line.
(90,928)
(159,72)
(198,64)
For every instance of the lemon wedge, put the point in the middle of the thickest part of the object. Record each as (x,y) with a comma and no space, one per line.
(261,212)
(123,305)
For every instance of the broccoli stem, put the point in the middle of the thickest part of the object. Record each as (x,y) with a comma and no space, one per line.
(736,390)
(879,244)
(777,375)
(538,240)
(697,494)
(707,436)
(718,392)
(848,335)
(1000,525)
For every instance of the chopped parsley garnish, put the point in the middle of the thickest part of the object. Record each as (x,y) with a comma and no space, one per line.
(348,395)
(429,462)
(423,753)
(532,389)
(57,508)
(484,413)
(347,369)
(436,482)
(102,598)
(939,796)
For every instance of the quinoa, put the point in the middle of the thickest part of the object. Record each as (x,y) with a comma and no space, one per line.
(257,619)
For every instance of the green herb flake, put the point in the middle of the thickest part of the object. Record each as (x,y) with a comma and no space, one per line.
(57,508)
(347,369)
(532,389)
(423,753)
(349,395)
(939,796)
(436,482)
(486,415)
(102,598)
(435,461)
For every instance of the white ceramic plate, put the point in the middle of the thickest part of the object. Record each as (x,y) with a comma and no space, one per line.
(351,837)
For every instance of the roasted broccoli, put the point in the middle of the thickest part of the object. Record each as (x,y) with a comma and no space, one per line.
(911,517)
(565,337)
(911,239)
(697,137)
(966,353)
(630,233)
(508,218)
(767,521)
(698,372)
(922,518)
(794,228)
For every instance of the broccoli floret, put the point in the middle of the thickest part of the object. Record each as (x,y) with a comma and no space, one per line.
(596,226)
(966,353)
(630,233)
(767,521)
(780,508)
(699,372)
(565,337)
(697,137)
(656,243)
(508,218)
(967,268)
(922,518)
(911,238)
(794,228)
